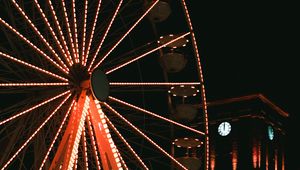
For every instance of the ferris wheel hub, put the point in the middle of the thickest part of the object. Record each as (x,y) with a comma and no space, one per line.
(78,76)
(99,85)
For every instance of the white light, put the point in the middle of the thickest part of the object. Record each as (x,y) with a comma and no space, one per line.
(31,66)
(117,160)
(35,132)
(112,145)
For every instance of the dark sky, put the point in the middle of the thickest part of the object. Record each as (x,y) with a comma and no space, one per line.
(250,47)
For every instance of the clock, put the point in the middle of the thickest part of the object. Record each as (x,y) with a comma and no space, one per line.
(270,133)
(224,128)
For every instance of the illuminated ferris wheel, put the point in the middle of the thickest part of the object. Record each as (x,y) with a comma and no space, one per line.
(100,85)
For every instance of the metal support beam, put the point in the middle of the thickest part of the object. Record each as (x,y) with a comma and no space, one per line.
(68,147)
(108,151)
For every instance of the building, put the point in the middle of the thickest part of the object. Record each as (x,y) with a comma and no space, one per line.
(247,133)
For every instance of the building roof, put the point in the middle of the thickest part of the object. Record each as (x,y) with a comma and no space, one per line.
(251,97)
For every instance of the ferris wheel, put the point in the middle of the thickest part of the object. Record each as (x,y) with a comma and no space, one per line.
(101,85)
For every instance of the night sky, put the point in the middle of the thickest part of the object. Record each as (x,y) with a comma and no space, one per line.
(249,47)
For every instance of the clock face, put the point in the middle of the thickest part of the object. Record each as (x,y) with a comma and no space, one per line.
(224,128)
(270,133)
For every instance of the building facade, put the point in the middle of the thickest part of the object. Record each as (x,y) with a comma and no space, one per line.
(247,133)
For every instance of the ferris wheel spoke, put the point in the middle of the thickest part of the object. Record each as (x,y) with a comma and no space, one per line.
(145,54)
(39,34)
(33,107)
(35,132)
(122,160)
(92,33)
(56,135)
(93,141)
(52,32)
(68,28)
(143,135)
(75,30)
(85,154)
(86,2)
(132,139)
(31,84)
(164,84)
(155,115)
(21,104)
(105,34)
(31,66)
(126,143)
(14,48)
(32,45)
(62,37)
(121,39)
(124,56)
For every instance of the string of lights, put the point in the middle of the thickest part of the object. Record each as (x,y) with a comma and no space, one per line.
(105,34)
(92,33)
(62,37)
(32,45)
(56,135)
(131,28)
(32,108)
(145,136)
(35,132)
(145,54)
(39,34)
(126,143)
(155,115)
(52,32)
(86,2)
(68,29)
(32,66)
(75,31)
